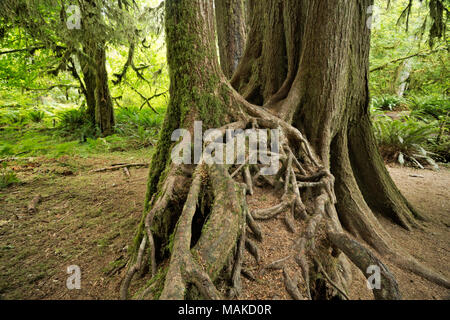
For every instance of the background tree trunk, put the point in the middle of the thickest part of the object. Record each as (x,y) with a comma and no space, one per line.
(100,107)
(230,18)
(104,111)
(271,56)
(89,85)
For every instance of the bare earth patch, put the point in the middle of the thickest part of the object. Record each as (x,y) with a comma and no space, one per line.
(85,219)
(88,219)
(429,192)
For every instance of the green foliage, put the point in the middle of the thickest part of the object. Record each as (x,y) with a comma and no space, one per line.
(15,118)
(135,117)
(388,103)
(72,119)
(405,140)
(65,130)
(36,116)
(441,149)
(392,42)
(139,126)
(7,177)
(430,107)
(74,124)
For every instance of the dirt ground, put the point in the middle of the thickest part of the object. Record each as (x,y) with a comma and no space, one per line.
(89,219)
(429,192)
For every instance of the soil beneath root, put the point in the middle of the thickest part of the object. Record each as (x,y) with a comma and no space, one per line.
(89,219)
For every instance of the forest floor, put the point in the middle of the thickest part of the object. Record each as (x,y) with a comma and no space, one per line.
(88,219)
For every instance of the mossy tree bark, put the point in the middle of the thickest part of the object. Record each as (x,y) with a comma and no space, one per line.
(304,72)
(89,84)
(92,57)
(99,104)
(104,109)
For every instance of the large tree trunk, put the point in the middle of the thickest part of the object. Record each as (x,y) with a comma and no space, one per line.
(304,72)
(326,93)
(231,34)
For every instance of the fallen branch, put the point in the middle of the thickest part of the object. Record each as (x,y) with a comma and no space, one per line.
(127,172)
(114,168)
(8,159)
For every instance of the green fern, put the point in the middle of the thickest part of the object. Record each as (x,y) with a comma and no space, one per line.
(15,118)
(72,119)
(36,116)
(405,141)
(7,177)
(388,103)
(139,126)
(429,107)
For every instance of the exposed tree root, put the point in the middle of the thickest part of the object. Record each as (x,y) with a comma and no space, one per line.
(248,274)
(270,213)
(248,180)
(253,249)
(256,230)
(322,269)
(195,264)
(363,259)
(292,286)
(412,265)
(236,287)
(135,268)
(160,205)
(181,262)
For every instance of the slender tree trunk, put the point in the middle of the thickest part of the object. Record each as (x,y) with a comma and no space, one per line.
(90,82)
(230,18)
(403,74)
(104,111)
(90,85)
